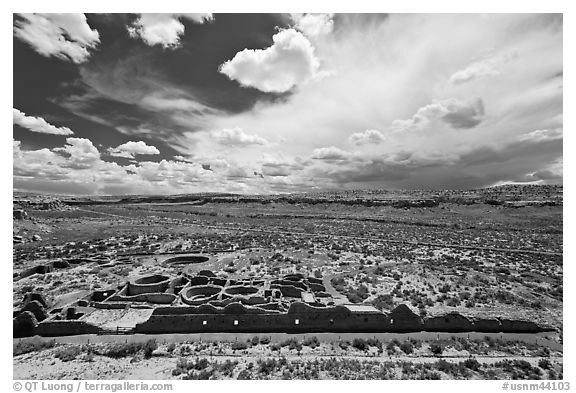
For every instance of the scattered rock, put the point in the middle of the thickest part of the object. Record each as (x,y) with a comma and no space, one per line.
(160,352)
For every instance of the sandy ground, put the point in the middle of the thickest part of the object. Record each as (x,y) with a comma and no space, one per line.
(111,319)
(43,365)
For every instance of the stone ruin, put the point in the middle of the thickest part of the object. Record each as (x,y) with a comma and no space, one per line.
(203,302)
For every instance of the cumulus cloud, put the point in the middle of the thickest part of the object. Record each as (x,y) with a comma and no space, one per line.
(279,68)
(40,163)
(77,168)
(80,153)
(163,29)
(237,137)
(175,171)
(331,153)
(490,66)
(276,166)
(387,68)
(65,36)
(268,170)
(367,137)
(314,25)
(131,149)
(456,113)
(38,124)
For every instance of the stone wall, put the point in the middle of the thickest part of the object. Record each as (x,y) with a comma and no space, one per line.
(154,298)
(299,318)
(65,328)
(149,284)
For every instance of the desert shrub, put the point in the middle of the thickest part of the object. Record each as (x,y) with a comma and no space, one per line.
(519,369)
(171,347)
(446,367)
(68,353)
(311,342)
(391,347)
(201,364)
(255,340)
(149,347)
(227,368)
(267,366)
(265,340)
(292,343)
(239,346)
(472,364)
(201,375)
(359,343)
(121,350)
(32,345)
(182,366)
(436,348)
(244,374)
(407,347)
(374,342)
(384,302)
(544,364)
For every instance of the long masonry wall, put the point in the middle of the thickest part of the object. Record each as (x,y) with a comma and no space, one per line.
(302,319)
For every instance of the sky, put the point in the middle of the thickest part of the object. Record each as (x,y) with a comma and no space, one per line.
(115,104)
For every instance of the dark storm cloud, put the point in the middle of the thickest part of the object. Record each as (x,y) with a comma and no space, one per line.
(104,100)
(125,62)
(60,187)
(478,167)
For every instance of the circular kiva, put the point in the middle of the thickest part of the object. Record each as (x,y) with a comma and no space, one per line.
(240,290)
(187,259)
(200,294)
(149,284)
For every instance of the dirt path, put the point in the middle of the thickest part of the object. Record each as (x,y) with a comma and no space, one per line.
(536,338)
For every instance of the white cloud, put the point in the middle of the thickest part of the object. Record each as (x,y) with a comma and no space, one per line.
(66,36)
(274,165)
(80,153)
(314,25)
(331,153)
(163,29)
(38,124)
(131,149)
(290,61)
(399,67)
(454,112)
(367,137)
(490,66)
(237,137)
(545,135)
(386,68)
